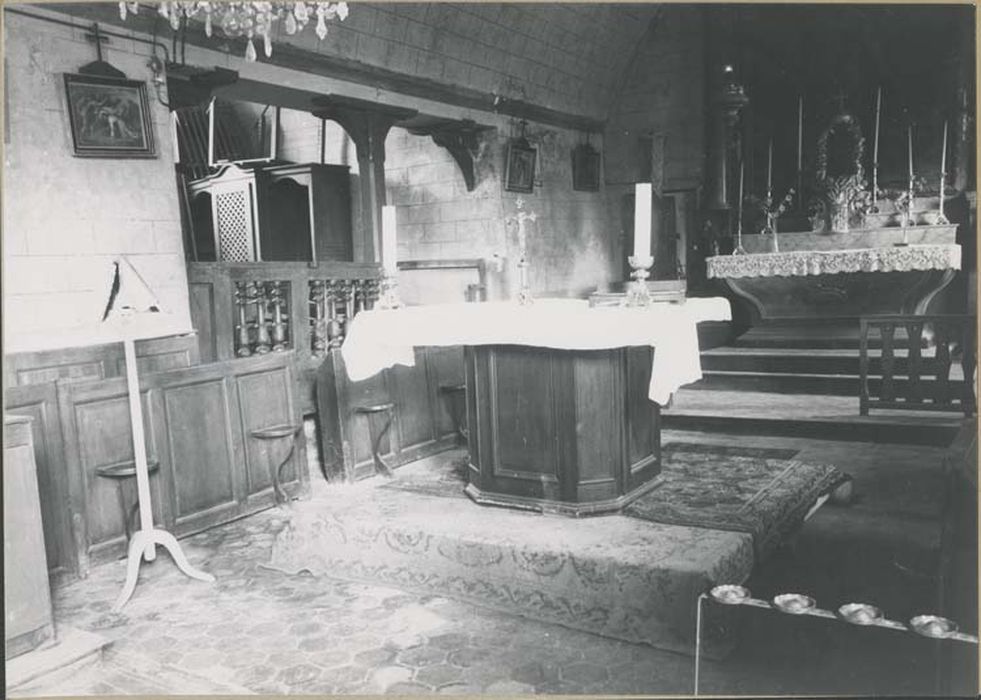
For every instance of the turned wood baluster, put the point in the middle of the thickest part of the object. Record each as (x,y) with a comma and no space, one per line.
(279,337)
(888,390)
(940,336)
(262,342)
(914,332)
(359,305)
(335,332)
(349,290)
(371,293)
(242,348)
(318,335)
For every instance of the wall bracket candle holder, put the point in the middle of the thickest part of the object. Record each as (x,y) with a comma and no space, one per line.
(861,614)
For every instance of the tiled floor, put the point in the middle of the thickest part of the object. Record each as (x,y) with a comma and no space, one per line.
(259,631)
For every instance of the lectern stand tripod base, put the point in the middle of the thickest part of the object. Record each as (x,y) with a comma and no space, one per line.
(143,542)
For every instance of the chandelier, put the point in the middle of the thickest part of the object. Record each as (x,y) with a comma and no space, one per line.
(248,19)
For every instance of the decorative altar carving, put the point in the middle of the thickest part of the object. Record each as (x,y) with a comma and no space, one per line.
(819,262)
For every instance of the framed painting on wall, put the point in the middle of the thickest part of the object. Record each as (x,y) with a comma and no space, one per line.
(109,117)
(519,167)
(585,169)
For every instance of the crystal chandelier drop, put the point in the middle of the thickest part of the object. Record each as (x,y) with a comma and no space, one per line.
(248,19)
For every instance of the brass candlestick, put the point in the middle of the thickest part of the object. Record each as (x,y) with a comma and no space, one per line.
(388,297)
(637,292)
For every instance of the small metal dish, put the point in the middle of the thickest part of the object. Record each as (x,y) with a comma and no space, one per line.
(933,626)
(729,594)
(794,603)
(860,613)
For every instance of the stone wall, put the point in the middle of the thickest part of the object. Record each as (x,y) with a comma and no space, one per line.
(663,93)
(66,218)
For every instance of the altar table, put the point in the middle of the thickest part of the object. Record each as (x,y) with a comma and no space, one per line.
(818,282)
(562,399)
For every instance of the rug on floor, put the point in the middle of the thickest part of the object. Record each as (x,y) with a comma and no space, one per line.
(758,490)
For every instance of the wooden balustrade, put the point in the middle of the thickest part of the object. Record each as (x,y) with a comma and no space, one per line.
(245,309)
(921,380)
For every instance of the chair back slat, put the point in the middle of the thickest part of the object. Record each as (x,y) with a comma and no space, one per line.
(914,333)
(887,361)
(921,381)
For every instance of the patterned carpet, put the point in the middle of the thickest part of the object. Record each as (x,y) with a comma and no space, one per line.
(756,490)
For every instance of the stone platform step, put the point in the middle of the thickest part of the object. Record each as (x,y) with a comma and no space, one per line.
(812,335)
(804,415)
(616,576)
(845,385)
(805,360)
(72,651)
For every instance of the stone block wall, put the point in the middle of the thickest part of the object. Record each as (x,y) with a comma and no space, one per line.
(66,218)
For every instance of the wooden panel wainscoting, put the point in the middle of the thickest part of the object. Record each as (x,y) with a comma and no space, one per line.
(197,424)
(28,620)
(40,402)
(422,425)
(98,361)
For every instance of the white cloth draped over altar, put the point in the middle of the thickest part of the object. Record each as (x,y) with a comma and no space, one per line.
(378,339)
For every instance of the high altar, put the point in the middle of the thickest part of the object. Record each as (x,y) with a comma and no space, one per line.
(858,249)
(841,275)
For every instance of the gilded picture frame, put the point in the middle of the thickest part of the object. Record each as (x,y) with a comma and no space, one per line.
(109,117)
(519,167)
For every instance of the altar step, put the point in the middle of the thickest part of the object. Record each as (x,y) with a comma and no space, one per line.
(822,417)
(812,335)
(813,383)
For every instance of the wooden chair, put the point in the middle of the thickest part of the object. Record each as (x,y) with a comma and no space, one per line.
(916,382)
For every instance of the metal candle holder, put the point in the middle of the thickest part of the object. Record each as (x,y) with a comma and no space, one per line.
(637,292)
(862,614)
(388,293)
(524,293)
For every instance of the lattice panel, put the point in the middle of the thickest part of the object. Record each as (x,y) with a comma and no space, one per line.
(234,227)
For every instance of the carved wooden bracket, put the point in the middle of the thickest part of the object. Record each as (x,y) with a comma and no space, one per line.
(461,139)
(367,123)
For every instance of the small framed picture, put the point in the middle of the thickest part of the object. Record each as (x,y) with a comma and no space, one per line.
(519,168)
(585,169)
(110,117)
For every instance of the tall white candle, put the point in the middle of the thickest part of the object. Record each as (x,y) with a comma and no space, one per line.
(943,156)
(909,136)
(739,211)
(800,133)
(644,193)
(769,171)
(389,256)
(875,143)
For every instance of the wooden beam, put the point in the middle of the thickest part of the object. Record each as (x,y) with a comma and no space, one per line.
(295,58)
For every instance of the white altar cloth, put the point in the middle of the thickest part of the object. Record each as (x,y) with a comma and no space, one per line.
(799,263)
(378,338)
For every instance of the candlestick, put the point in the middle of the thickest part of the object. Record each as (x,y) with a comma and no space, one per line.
(800,133)
(943,159)
(738,250)
(909,135)
(769,173)
(941,219)
(875,149)
(644,192)
(800,152)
